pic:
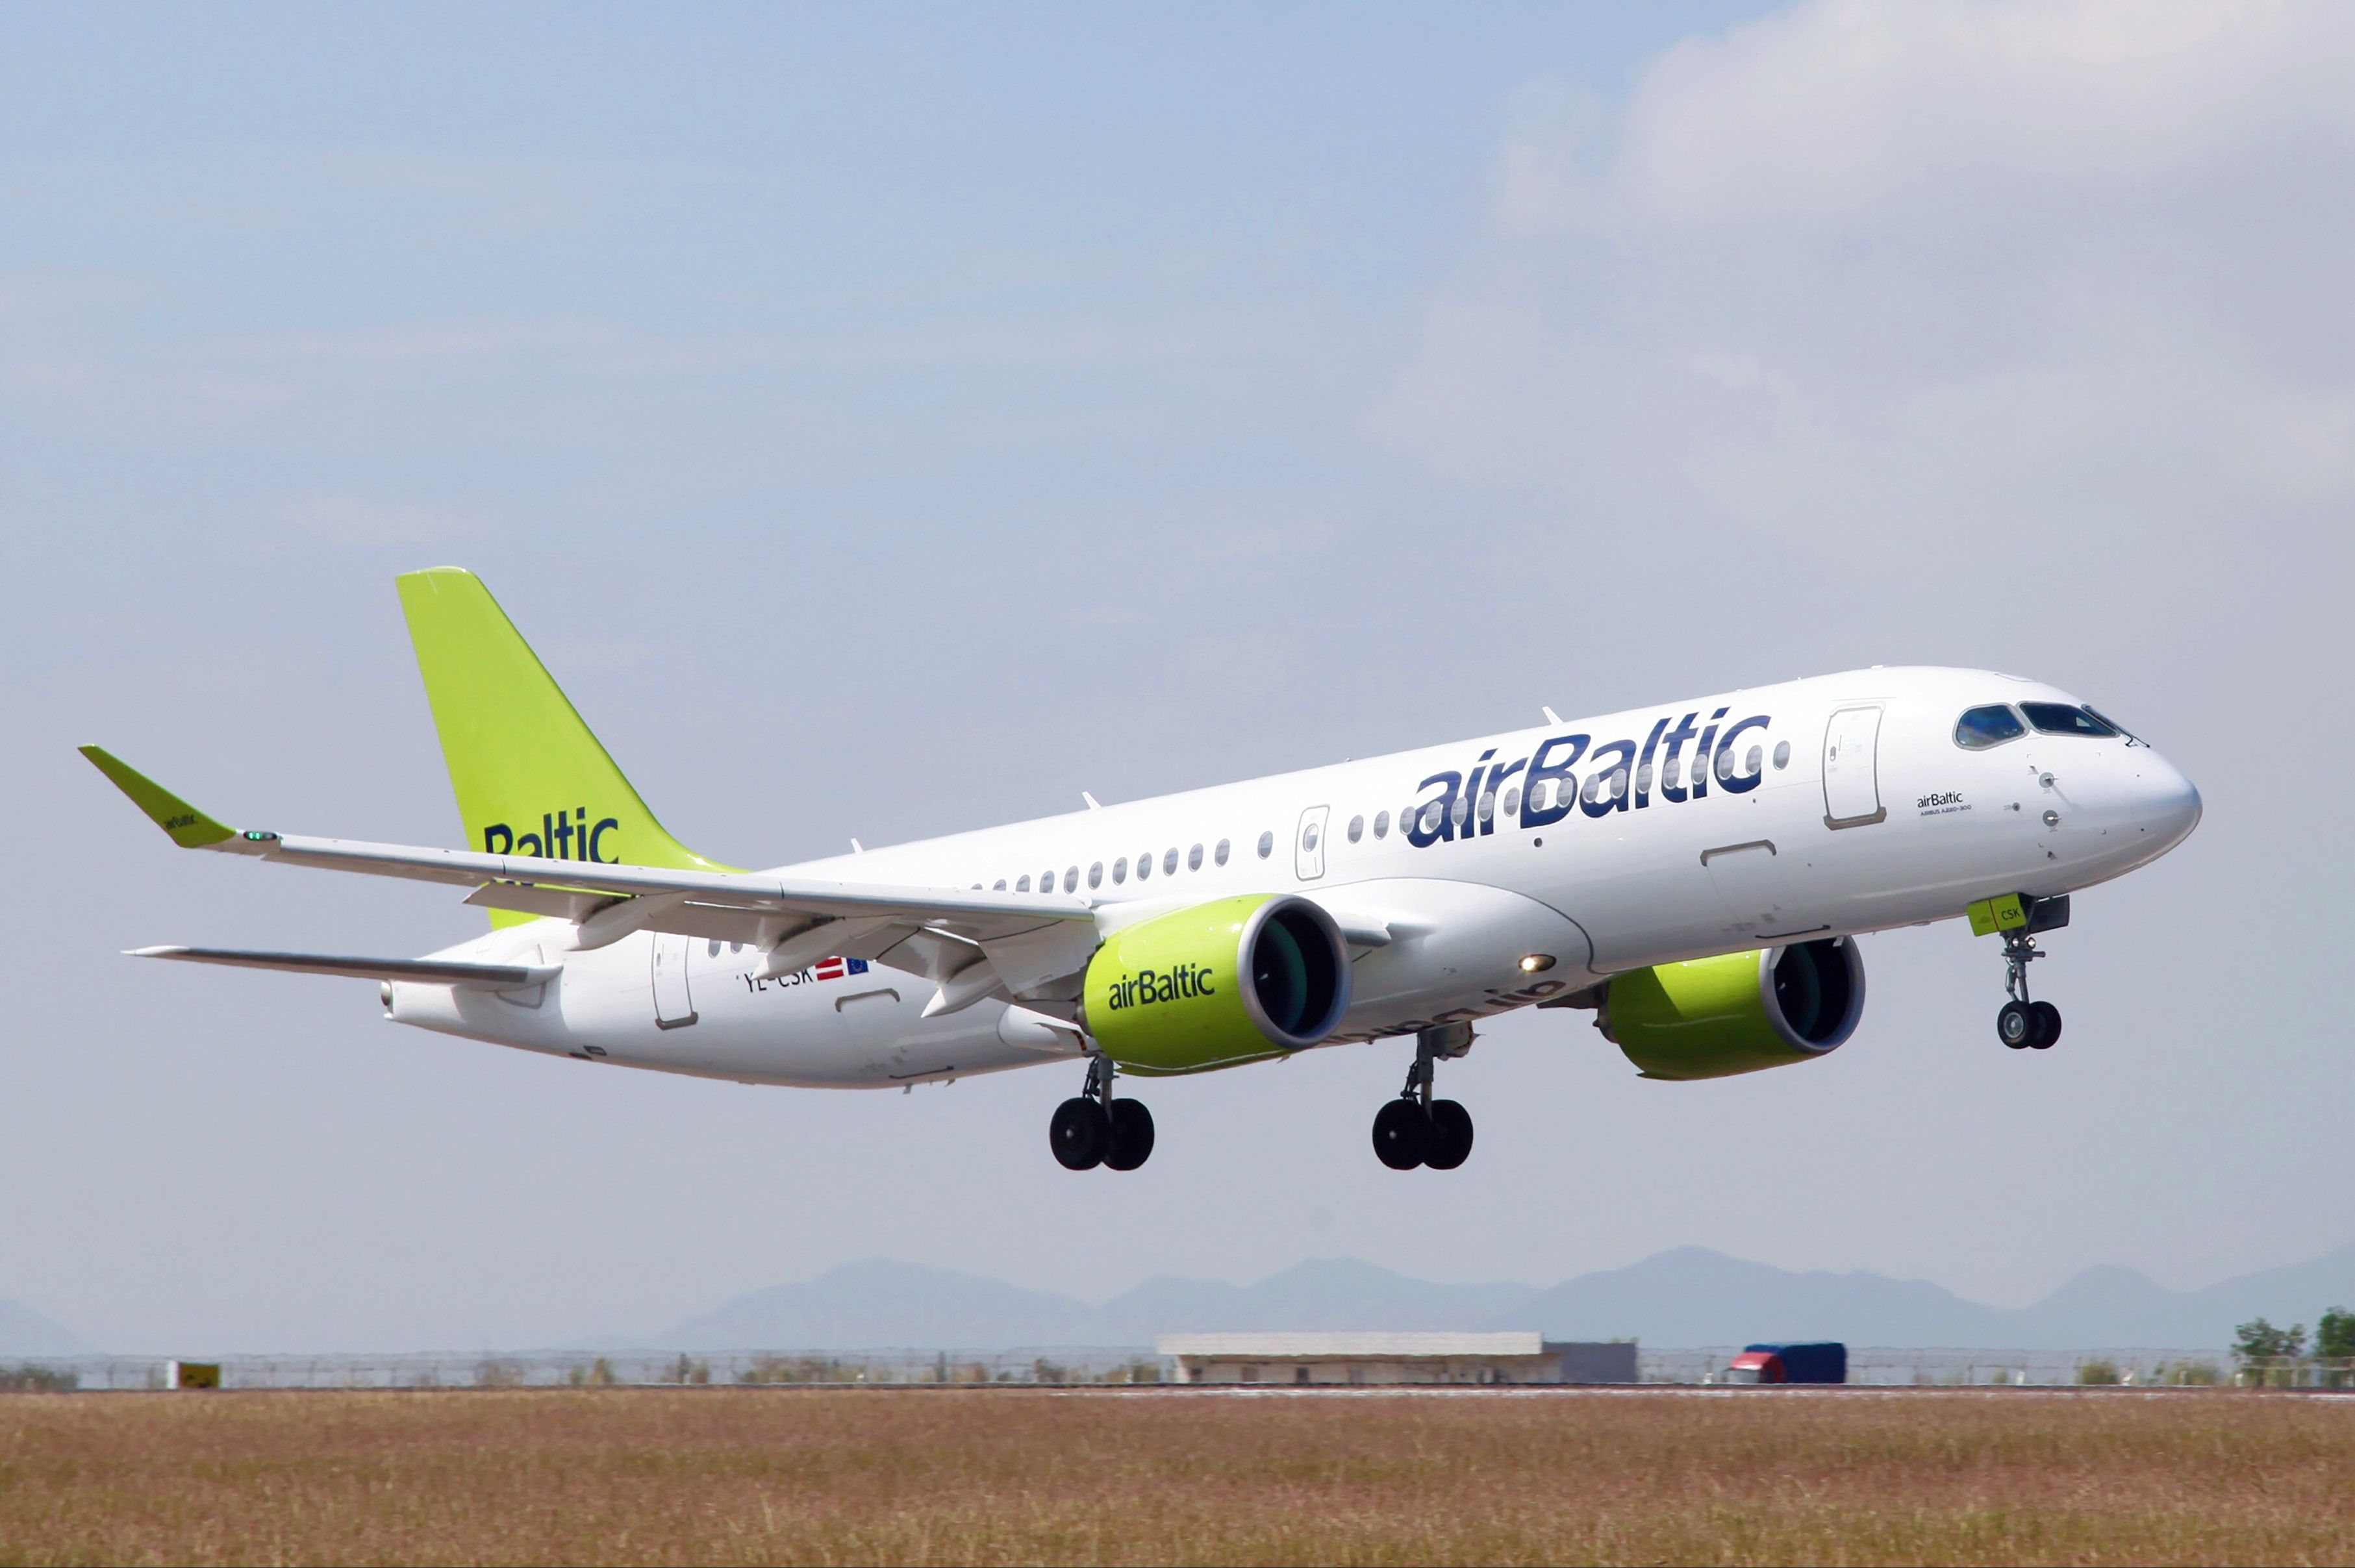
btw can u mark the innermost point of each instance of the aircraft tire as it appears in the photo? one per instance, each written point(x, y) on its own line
point(1450, 1136)
point(1402, 1134)
point(1080, 1133)
point(1131, 1142)
point(2015, 1026)
point(2048, 1025)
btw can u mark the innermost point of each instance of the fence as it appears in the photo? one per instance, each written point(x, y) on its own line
point(1051, 1367)
point(1075, 1367)
point(1963, 1368)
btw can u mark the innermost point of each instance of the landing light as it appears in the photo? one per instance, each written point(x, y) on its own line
point(1537, 963)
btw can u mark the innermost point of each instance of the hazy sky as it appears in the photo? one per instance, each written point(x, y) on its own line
point(893, 422)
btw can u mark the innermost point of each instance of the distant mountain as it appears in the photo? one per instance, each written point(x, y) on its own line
point(24, 1332)
point(1696, 1297)
point(881, 1304)
point(2297, 1294)
point(1687, 1297)
point(1328, 1294)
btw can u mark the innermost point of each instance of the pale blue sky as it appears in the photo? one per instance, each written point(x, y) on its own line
point(890, 422)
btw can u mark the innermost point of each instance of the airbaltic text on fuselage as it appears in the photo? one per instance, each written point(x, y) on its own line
point(558, 838)
point(1146, 987)
point(1620, 775)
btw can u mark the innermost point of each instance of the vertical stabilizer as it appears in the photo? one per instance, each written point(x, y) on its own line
point(529, 776)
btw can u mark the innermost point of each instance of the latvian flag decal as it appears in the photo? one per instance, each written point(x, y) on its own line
point(834, 969)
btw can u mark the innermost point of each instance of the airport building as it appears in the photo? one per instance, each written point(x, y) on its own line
point(1384, 1359)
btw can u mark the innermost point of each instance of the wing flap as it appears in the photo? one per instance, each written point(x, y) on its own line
point(979, 914)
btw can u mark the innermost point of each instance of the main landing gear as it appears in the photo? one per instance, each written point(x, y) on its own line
point(1416, 1129)
point(2022, 1024)
point(1092, 1128)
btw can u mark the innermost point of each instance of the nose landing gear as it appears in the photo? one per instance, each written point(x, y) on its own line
point(1416, 1129)
point(1092, 1128)
point(2020, 1023)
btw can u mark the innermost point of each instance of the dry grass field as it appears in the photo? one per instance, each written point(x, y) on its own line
point(799, 1475)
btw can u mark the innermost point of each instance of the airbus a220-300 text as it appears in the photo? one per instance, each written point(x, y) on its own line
point(1693, 875)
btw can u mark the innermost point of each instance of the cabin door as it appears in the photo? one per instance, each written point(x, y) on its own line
point(1851, 769)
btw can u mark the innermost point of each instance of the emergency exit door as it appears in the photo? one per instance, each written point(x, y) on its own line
point(674, 1003)
point(1309, 849)
point(1851, 769)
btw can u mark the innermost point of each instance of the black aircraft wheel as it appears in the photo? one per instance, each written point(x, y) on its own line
point(2015, 1026)
point(1402, 1134)
point(1450, 1136)
point(1131, 1142)
point(2048, 1025)
point(1080, 1133)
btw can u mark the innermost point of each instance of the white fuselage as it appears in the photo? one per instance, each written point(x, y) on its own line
point(1829, 806)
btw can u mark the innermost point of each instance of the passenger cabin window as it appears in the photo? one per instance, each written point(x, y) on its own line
point(1071, 879)
point(1120, 870)
point(1000, 885)
point(1169, 862)
point(1095, 874)
point(1381, 824)
point(1266, 845)
point(1357, 829)
point(1023, 885)
point(1194, 858)
point(1991, 725)
point(2060, 718)
point(1145, 866)
point(1222, 851)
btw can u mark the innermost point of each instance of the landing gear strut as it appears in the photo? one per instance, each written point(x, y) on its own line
point(1092, 1128)
point(1416, 1129)
point(2022, 1024)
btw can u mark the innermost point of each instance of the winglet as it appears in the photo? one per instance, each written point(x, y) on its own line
point(189, 828)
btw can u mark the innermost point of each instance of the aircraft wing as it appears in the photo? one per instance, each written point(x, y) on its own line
point(436, 971)
point(1029, 938)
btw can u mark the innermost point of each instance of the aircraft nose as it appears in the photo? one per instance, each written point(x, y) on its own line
point(2170, 803)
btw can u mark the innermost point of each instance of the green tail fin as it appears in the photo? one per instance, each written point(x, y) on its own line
point(529, 778)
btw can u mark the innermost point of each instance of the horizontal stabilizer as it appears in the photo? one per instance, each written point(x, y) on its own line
point(429, 972)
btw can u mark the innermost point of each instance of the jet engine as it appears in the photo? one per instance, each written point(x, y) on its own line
point(1739, 1012)
point(1239, 980)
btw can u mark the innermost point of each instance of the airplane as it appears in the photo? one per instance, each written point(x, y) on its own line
point(1695, 874)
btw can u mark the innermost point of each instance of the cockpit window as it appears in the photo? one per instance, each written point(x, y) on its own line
point(2131, 737)
point(1991, 725)
point(2060, 718)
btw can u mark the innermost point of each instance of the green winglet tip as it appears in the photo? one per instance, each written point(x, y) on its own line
point(189, 828)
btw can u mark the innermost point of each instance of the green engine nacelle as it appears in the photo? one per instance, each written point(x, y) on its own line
point(1237, 980)
point(1712, 1018)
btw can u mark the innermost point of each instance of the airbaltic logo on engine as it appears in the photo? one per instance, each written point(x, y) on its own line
point(558, 838)
point(1148, 985)
point(1620, 776)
